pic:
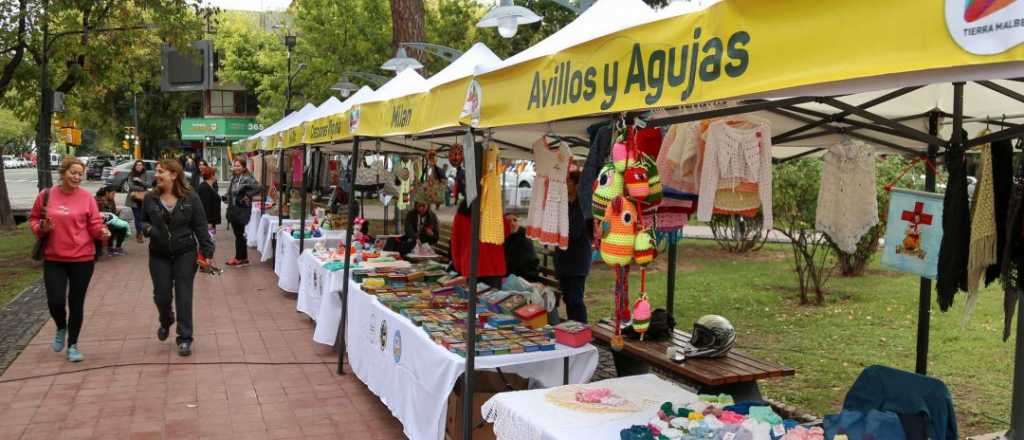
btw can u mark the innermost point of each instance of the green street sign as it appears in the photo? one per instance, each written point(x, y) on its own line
point(218, 129)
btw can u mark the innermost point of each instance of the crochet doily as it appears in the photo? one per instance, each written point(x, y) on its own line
point(566, 397)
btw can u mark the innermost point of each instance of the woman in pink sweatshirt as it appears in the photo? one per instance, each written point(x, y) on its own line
point(70, 220)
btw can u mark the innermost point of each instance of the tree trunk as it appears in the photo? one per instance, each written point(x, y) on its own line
point(6, 216)
point(407, 23)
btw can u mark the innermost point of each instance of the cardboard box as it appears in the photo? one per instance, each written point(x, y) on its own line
point(485, 385)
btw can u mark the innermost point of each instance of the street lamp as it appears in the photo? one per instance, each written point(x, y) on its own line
point(448, 53)
point(346, 87)
point(401, 61)
point(507, 17)
point(289, 42)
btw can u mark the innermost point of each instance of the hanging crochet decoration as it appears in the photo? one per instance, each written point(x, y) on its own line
point(642, 313)
point(607, 187)
point(913, 233)
point(455, 155)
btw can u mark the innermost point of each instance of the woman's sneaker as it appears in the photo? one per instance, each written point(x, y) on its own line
point(58, 341)
point(74, 355)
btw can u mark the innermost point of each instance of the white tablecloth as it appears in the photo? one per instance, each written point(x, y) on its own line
point(528, 415)
point(413, 375)
point(265, 235)
point(286, 265)
point(319, 297)
point(252, 228)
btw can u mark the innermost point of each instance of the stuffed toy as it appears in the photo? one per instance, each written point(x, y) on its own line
point(618, 237)
point(642, 315)
point(607, 186)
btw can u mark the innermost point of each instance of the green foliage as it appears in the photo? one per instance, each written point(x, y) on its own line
point(795, 191)
point(15, 134)
point(17, 270)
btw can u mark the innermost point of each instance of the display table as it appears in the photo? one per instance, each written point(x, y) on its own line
point(318, 297)
point(252, 228)
point(530, 415)
point(413, 375)
point(286, 265)
point(264, 235)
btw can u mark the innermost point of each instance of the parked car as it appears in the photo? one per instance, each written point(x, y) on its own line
point(9, 162)
point(55, 160)
point(117, 175)
point(20, 162)
point(94, 170)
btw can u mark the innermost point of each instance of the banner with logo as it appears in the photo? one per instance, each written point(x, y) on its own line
point(328, 129)
point(740, 48)
point(294, 137)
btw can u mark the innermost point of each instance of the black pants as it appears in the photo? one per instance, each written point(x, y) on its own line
point(572, 291)
point(117, 237)
point(172, 281)
point(241, 248)
point(66, 283)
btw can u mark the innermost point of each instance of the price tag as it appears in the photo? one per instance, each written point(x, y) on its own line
point(778, 430)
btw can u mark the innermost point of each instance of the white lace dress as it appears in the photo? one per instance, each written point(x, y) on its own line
point(847, 199)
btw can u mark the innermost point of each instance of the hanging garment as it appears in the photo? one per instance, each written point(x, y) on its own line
point(492, 228)
point(1012, 264)
point(554, 216)
point(543, 160)
point(490, 257)
point(680, 159)
point(600, 147)
point(647, 140)
point(847, 199)
point(956, 227)
point(913, 232)
point(1002, 182)
point(982, 248)
point(736, 152)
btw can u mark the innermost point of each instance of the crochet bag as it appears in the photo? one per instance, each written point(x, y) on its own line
point(607, 187)
point(618, 232)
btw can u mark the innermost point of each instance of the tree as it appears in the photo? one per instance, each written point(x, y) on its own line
point(14, 22)
point(795, 191)
point(15, 136)
point(406, 22)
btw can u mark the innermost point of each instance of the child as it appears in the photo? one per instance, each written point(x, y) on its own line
point(118, 227)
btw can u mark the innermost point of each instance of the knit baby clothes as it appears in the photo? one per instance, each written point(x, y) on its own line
point(548, 219)
point(847, 199)
point(736, 152)
point(492, 226)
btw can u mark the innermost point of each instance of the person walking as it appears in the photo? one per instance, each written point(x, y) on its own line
point(136, 192)
point(175, 222)
point(207, 191)
point(572, 265)
point(241, 191)
point(67, 217)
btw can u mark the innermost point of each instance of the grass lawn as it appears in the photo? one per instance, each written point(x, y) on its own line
point(867, 320)
point(17, 270)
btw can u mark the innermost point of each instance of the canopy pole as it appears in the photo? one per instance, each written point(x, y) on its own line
point(924, 302)
point(670, 291)
point(1017, 410)
point(263, 183)
point(474, 253)
point(280, 202)
point(302, 203)
point(340, 337)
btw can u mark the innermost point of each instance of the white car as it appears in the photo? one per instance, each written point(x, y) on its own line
point(9, 162)
point(21, 163)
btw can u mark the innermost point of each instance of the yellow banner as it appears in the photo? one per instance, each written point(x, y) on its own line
point(328, 129)
point(744, 47)
point(423, 112)
point(293, 137)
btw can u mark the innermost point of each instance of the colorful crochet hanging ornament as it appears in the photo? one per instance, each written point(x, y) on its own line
point(620, 156)
point(621, 305)
point(618, 233)
point(607, 187)
point(455, 155)
point(642, 312)
point(644, 248)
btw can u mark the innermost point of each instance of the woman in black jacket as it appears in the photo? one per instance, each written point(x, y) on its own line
point(175, 222)
point(520, 256)
point(242, 190)
point(207, 191)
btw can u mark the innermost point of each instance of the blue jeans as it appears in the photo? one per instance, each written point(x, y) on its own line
point(137, 214)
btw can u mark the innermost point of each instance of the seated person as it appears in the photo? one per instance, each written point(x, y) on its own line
point(420, 225)
point(118, 229)
point(520, 256)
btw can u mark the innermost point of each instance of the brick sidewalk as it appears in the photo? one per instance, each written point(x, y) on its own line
point(240, 317)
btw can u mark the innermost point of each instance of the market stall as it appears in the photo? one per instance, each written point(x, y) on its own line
point(288, 249)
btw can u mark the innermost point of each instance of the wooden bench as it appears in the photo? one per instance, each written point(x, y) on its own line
point(736, 373)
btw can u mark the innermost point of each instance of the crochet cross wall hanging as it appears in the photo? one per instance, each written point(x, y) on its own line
point(913, 232)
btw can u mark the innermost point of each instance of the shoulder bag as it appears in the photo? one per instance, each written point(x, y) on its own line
point(40, 245)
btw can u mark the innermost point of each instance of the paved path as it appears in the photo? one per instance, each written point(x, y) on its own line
point(133, 386)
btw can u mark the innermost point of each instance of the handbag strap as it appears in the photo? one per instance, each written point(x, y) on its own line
point(46, 200)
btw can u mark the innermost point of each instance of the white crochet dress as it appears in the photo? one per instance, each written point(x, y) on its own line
point(547, 221)
point(847, 198)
